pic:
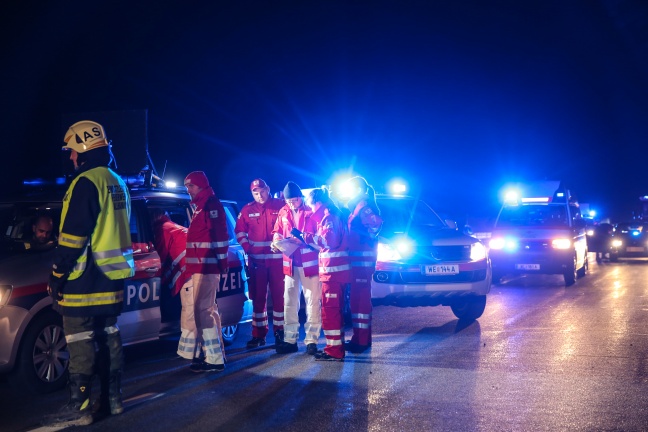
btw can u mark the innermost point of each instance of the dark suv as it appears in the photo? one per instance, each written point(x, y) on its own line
point(540, 232)
point(33, 349)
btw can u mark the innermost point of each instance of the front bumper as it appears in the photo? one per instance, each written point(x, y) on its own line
point(12, 324)
point(402, 285)
point(556, 262)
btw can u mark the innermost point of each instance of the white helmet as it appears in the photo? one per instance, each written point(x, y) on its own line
point(84, 136)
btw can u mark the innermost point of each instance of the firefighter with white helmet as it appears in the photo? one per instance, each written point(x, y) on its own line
point(93, 257)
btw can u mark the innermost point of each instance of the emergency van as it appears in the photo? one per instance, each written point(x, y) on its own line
point(33, 349)
point(539, 230)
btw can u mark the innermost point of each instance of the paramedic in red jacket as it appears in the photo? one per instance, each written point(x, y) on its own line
point(170, 240)
point(301, 272)
point(364, 225)
point(254, 233)
point(206, 258)
point(334, 269)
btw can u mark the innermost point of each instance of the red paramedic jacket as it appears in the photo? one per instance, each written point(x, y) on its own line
point(207, 238)
point(364, 226)
point(254, 230)
point(286, 221)
point(171, 243)
point(331, 241)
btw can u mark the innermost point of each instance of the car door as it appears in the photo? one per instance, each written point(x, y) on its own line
point(141, 317)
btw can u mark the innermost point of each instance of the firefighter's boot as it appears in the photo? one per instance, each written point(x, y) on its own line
point(78, 411)
point(115, 393)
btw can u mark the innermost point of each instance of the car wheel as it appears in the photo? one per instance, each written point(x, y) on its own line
point(43, 358)
point(469, 309)
point(570, 273)
point(583, 270)
point(229, 334)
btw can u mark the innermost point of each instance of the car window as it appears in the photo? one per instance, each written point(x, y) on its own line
point(232, 212)
point(17, 219)
point(179, 211)
point(533, 215)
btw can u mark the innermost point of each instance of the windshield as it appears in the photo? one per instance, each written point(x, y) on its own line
point(553, 216)
point(400, 214)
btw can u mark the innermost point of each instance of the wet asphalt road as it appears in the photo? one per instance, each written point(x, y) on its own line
point(542, 358)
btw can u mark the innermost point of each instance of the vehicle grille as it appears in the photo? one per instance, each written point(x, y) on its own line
point(429, 254)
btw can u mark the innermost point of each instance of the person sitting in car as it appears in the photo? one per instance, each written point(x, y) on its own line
point(42, 234)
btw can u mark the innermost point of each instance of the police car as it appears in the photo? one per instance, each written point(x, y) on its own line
point(33, 349)
point(424, 261)
point(539, 230)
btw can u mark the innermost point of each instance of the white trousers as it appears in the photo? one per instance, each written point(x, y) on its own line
point(187, 343)
point(208, 323)
point(293, 286)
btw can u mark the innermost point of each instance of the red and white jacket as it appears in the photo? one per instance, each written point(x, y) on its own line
point(330, 239)
point(170, 244)
point(300, 219)
point(364, 226)
point(254, 230)
point(207, 238)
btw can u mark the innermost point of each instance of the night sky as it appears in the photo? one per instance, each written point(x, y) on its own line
point(456, 97)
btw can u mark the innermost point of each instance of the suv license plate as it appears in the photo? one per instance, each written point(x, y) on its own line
point(527, 266)
point(448, 269)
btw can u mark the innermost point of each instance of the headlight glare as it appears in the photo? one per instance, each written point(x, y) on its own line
point(477, 251)
point(561, 243)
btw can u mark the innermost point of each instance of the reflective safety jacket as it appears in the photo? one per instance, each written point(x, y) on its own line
point(171, 243)
point(254, 230)
point(95, 232)
point(330, 238)
point(364, 226)
point(207, 238)
point(300, 219)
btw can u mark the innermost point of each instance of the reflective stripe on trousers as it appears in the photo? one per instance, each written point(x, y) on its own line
point(313, 297)
point(207, 318)
point(187, 342)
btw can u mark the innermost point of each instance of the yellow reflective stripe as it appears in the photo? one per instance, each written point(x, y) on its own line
point(72, 241)
point(112, 253)
point(94, 299)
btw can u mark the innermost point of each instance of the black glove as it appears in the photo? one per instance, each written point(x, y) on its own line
point(55, 287)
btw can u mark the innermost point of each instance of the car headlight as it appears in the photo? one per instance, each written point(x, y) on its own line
point(617, 243)
point(561, 243)
point(590, 232)
point(477, 251)
point(5, 294)
point(396, 250)
point(387, 253)
point(498, 243)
